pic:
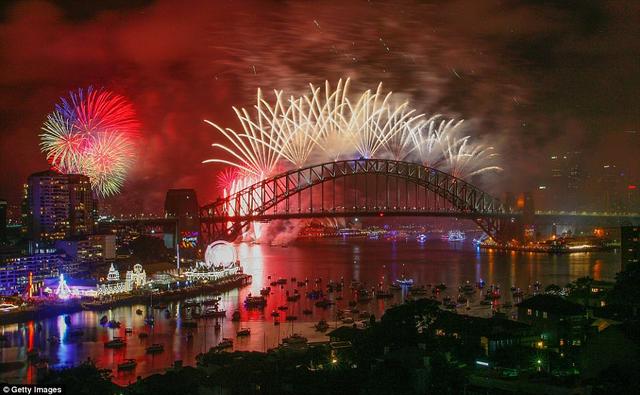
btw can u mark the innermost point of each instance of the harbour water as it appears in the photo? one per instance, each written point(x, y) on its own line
point(367, 261)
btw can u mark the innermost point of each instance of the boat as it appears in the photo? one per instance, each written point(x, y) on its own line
point(322, 326)
point(225, 343)
point(255, 301)
point(243, 332)
point(283, 308)
point(211, 302)
point(307, 312)
point(117, 342)
point(275, 314)
point(67, 320)
point(104, 320)
point(281, 281)
point(383, 294)
point(324, 303)
point(467, 288)
point(364, 315)
point(454, 236)
point(155, 348)
point(421, 238)
point(276, 322)
point(347, 320)
point(236, 316)
point(462, 299)
point(138, 312)
point(293, 298)
point(291, 318)
point(149, 320)
point(441, 287)
point(128, 330)
point(295, 339)
point(265, 291)
point(301, 283)
point(143, 335)
point(128, 364)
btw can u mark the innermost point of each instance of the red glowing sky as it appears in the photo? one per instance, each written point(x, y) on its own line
point(555, 77)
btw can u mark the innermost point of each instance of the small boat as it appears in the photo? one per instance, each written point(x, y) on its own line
point(67, 320)
point(138, 312)
point(295, 339)
point(155, 348)
point(467, 288)
point(128, 330)
point(273, 283)
point(307, 312)
point(324, 303)
point(347, 320)
point(255, 301)
point(225, 343)
point(265, 291)
point(322, 326)
point(243, 332)
point(283, 308)
point(211, 302)
point(128, 364)
point(104, 320)
point(383, 295)
point(276, 322)
point(301, 283)
point(281, 281)
point(293, 298)
point(143, 335)
point(149, 320)
point(117, 342)
point(275, 314)
point(291, 318)
point(236, 316)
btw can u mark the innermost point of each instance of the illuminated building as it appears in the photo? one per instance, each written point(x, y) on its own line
point(58, 206)
point(220, 260)
point(182, 204)
point(630, 246)
point(15, 269)
point(134, 279)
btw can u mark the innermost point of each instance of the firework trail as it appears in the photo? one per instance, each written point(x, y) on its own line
point(328, 125)
point(226, 178)
point(92, 132)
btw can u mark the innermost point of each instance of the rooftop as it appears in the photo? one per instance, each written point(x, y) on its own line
point(552, 304)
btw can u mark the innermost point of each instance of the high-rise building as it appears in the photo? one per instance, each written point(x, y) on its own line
point(57, 206)
point(630, 246)
point(3, 220)
point(183, 205)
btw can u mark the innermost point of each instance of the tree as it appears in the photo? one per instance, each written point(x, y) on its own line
point(86, 378)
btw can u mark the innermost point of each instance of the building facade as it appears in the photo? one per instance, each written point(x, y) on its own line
point(57, 206)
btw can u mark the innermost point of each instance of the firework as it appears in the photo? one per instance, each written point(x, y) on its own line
point(326, 124)
point(92, 132)
point(226, 178)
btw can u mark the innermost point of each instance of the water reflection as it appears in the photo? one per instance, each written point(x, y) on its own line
point(368, 261)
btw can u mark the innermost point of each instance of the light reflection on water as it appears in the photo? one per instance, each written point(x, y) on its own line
point(368, 261)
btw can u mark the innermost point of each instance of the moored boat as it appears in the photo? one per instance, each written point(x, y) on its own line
point(128, 364)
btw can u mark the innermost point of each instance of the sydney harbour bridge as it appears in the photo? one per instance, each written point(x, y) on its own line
point(368, 188)
point(362, 188)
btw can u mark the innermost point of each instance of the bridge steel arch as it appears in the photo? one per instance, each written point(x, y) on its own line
point(276, 197)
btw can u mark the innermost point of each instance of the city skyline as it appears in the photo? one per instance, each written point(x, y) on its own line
point(538, 96)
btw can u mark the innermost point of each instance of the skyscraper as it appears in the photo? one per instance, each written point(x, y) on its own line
point(183, 205)
point(58, 206)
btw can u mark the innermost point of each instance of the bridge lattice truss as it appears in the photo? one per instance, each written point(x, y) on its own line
point(362, 187)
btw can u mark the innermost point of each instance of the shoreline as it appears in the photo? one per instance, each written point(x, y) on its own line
point(52, 310)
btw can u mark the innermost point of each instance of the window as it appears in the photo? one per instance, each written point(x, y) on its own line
point(529, 312)
point(544, 314)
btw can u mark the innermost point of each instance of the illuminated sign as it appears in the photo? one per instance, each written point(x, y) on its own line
point(188, 240)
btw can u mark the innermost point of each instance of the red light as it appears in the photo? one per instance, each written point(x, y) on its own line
point(631, 187)
point(381, 215)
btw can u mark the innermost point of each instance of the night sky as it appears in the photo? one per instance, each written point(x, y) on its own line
point(533, 78)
